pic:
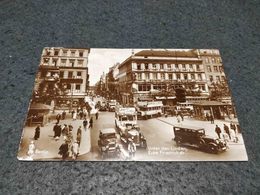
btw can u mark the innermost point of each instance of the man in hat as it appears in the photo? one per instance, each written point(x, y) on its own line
point(218, 131)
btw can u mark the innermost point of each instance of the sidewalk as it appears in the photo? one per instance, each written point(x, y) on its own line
point(209, 128)
point(46, 146)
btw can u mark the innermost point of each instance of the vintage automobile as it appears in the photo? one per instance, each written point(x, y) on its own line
point(132, 132)
point(108, 144)
point(111, 105)
point(196, 137)
point(103, 106)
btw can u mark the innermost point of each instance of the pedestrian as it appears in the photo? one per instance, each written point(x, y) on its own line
point(64, 150)
point(178, 118)
point(75, 150)
point(218, 131)
point(85, 113)
point(65, 130)
point(81, 114)
point(96, 115)
point(225, 137)
point(58, 117)
point(59, 129)
point(131, 148)
point(207, 117)
point(63, 115)
point(72, 113)
point(85, 124)
point(74, 117)
point(233, 126)
point(235, 131)
point(182, 117)
point(211, 119)
point(233, 135)
point(78, 109)
point(79, 133)
point(37, 132)
point(91, 122)
point(227, 131)
point(31, 149)
point(70, 127)
point(55, 130)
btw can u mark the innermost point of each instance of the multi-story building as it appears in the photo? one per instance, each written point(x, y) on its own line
point(213, 65)
point(64, 69)
point(112, 82)
point(152, 73)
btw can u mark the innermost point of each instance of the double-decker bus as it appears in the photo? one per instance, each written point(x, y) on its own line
point(147, 110)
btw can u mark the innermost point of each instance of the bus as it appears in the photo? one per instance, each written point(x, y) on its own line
point(125, 117)
point(147, 109)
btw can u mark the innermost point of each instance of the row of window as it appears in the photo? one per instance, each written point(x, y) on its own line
point(160, 87)
point(155, 108)
point(71, 87)
point(61, 74)
point(62, 62)
point(215, 69)
point(168, 76)
point(185, 67)
point(71, 74)
point(218, 78)
point(64, 52)
point(213, 60)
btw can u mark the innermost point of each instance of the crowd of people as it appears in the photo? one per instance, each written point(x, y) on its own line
point(70, 146)
point(228, 133)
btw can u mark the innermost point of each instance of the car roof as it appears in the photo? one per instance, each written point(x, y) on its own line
point(188, 127)
point(108, 130)
point(133, 132)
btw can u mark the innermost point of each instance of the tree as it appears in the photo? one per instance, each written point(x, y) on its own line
point(219, 90)
point(180, 94)
point(50, 88)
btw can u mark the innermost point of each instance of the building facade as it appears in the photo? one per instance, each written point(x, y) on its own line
point(64, 72)
point(213, 65)
point(154, 74)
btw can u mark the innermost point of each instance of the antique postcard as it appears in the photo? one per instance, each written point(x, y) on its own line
point(131, 105)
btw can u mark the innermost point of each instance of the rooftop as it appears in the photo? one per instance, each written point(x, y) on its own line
point(188, 127)
point(167, 53)
point(108, 130)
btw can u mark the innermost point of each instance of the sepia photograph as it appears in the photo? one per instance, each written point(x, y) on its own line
point(91, 104)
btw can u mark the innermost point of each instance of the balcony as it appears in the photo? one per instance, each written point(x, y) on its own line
point(71, 80)
point(49, 67)
point(51, 79)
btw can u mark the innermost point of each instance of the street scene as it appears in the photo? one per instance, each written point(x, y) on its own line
point(131, 105)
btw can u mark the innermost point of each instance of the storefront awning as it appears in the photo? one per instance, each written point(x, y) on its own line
point(145, 99)
point(164, 98)
point(209, 103)
point(39, 106)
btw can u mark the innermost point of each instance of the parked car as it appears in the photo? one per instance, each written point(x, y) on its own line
point(107, 143)
point(196, 137)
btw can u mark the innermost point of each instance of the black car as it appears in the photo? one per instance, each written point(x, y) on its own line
point(196, 137)
point(107, 143)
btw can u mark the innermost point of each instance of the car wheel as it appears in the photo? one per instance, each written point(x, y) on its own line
point(213, 149)
point(201, 143)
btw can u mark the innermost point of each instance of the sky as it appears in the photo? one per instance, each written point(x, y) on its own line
point(100, 60)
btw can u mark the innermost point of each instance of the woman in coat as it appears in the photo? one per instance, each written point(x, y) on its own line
point(37, 132)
